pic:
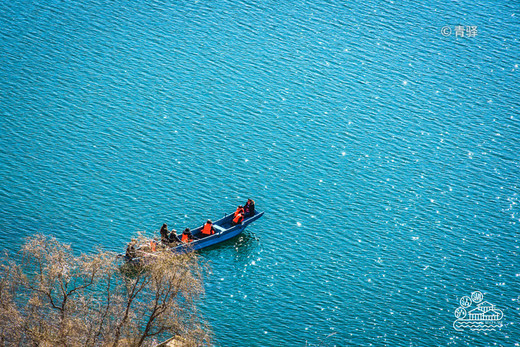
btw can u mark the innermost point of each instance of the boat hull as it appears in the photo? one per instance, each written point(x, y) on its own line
point(223, 232)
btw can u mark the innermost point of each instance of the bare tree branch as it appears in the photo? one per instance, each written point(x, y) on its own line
point(51, 297)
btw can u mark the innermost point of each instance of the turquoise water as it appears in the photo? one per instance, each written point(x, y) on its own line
point(385, 154)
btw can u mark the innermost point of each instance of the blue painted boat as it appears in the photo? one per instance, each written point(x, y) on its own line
point(223, 231)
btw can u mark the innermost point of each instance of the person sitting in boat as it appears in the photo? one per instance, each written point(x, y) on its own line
point(153, 245)
point(239, 218)
point(240, 210)
point(164, 233)
point(249, 208)
point(187, 236)
point(130, 250)
point(173, 238)
point(207, 229)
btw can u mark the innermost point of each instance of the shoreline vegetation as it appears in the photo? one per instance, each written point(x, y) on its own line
point(51, 297)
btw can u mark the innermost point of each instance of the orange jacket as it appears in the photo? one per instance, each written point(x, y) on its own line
point(208, 229)
point(240, 210)
point(186, 238)
point(238, 218)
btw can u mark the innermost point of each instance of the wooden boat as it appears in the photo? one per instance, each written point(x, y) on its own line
point(223, 231)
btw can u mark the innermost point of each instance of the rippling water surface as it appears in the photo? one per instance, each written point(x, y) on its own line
point(385, 154)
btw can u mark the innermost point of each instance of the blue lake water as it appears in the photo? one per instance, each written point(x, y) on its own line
point(384, 152)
